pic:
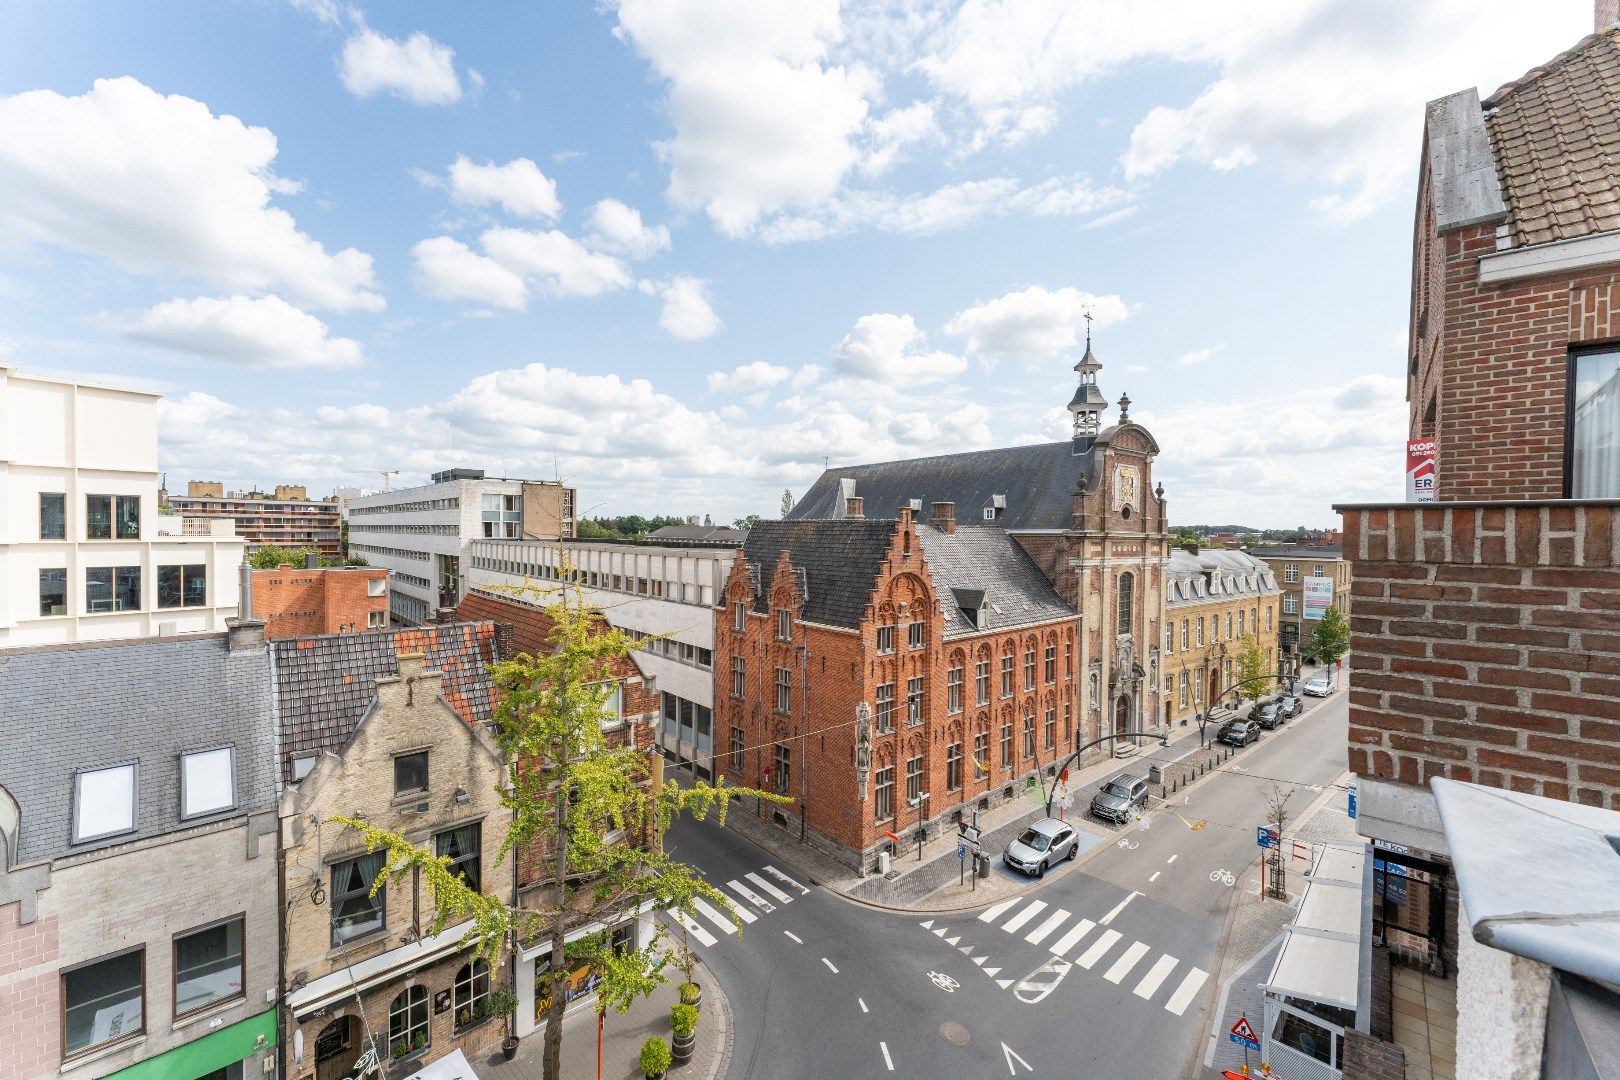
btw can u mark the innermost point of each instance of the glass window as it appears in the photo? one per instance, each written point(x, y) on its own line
point(208, 966)
point(913, 780)
point(355, 912)
point(1199, 636)
point(104, 802)
point(916, 635)
point(1029, 735)
point(1007, 675)
point(182, 586)
point(128, 520)
point(1127, 600)
point(98, 515)
point(472, 992)
point(737, 750)
point(1595, 420)
point(376, 619)
point(885, 639)
point(112, 588)
point(784, 690)
point(408, 1022)
point(981, 755)
point(1051, 664)
point(102, 1002)
point(784, 768)
point(1006, 745)
point(883, 802)
point(53, 591)
point(739, 676)
point(461, 847)
point(410, 773)
point(885, 707)
point(1029, 669)
point(784, 625)
point(1051, 729)
point(953, 767)
point(981, 681)
point(737, 617)
point(953, 690)
point(914, 700)
point(207, 781)
point(52, 515)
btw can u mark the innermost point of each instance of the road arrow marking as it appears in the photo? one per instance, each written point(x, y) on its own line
point(1012, 1056)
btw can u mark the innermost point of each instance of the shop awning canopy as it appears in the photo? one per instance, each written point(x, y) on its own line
point(351, 980)
point(453, 1066)
point(1320, 957)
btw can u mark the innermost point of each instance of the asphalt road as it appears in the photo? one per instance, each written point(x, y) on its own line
point(1108, 970)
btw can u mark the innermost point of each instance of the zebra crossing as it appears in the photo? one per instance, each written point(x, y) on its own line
point(753, 896)
point(1036, 923)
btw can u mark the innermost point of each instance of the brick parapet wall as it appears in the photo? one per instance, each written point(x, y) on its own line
point(1486, 646)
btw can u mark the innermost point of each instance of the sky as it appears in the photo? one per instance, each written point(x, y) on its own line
point(682, 254)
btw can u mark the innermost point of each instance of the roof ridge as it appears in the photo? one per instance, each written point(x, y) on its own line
point(1535, 74)
point(939, 457)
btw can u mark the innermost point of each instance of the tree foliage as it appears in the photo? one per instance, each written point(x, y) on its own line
point(624, 527)
point(1253, 666)
point(270, 557)
point(1330, 638)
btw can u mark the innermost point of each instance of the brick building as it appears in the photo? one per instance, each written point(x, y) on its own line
point(303, 601)
point(1486, 630)
point(1310, 576)
point(1217, 602)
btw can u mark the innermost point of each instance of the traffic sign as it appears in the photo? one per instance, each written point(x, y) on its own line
point(961, 851)
point(1265, 836)
point(1352, 802)
point(1243, 1034)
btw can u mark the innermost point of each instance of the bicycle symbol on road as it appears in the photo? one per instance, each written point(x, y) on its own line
point(1127, 845)
point(944, 981)
point(1223, 876)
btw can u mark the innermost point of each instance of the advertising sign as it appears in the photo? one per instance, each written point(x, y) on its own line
point(1318, 596)
point(1420, 470)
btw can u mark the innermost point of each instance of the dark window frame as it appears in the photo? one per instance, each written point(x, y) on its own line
point(60, 532)
point(174, 965)
point(412, 793)
point(62, 1006)
point(61, 573)
point(475, 880)
point(380, 898)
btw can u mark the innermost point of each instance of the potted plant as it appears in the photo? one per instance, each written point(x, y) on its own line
point(683, 1023)
point(692, 993)
point(686, 960)
point(503, 1001)
point(655, 1058)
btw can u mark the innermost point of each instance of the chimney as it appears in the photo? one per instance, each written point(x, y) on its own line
point(943, 517)
point(854, 507)
point(244, 635)
point(312, 561)
point(1605, 14)
point(244, 602)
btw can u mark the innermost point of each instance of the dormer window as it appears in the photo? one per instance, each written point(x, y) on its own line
point(103, 803)
point(989, 513)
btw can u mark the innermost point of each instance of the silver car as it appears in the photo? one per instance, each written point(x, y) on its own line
point(1043, 844)
point(1319, 684)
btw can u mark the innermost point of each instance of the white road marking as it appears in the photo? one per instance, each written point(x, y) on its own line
point(862, 1003)
point(1155, 876)
point(1126, 961)
point(992, 972)
point(1013, 924)
point(1072, 938)
point(1012, 1056)
point(1043, 931)
point(992, 914)
point(1098, 948)
point(1004, 983)
point(1186, 991)
point(768, 887)
point(1119, 907)
point(887, 1060)
point(692, 926)
point(726, 925)
point(794, 936)
point(778, 875)
point(751, 896)
point(979, 960)
point(829, 964)
point(1171, 859)
point(1156, 975)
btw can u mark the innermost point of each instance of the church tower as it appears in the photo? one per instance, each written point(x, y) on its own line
point(1088, 404)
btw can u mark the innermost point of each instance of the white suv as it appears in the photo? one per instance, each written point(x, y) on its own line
point(1319, 684)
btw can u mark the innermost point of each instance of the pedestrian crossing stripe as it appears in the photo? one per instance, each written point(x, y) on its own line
point(994, 913)
point(1126, 961)
point(750, 895)
point(692, 926)
point(784, 879)
point(768, 887)
point(1186, 991)
point(1098, 948)
point(1013, 924)
point(703, 908)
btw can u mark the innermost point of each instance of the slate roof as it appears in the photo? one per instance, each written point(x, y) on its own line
point(1037, 482)
point(986, 558)
point(1297, 551)
point(324, 684)
point(69, 708)
point(1234, 574)
point(840, 560)
point(723, 534)
point(1555, 134)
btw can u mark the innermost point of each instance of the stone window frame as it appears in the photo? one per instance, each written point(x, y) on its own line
point(953, 766)
point(953, 689)
point(784, 691)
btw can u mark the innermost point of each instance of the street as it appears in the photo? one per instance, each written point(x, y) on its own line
point(1106, 970)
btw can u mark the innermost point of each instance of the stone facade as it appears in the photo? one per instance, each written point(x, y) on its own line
point(1208, 621)
point(301, 601)
point(1291, 566)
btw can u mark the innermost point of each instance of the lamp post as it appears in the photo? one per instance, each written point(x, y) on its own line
point(1164, 740)
point(920, 802)
point(1203, 717)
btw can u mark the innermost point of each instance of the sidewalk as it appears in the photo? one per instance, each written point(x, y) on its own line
point(622, 1037)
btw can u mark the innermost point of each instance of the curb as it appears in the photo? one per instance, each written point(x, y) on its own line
point(723, 1061)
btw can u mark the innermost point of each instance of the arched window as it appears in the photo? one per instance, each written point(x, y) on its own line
point(472, 992)
point(408, 1022)
point(1127, 590)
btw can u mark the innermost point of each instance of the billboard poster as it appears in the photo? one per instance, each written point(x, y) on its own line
point(1318, 596)
point(1420, 470)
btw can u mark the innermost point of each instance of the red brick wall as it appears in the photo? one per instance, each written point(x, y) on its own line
point(1486, 647)
point(29, 1009)
point(295, 602)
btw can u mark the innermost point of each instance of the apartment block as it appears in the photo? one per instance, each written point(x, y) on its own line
point(284, 518)
point(1313, 578)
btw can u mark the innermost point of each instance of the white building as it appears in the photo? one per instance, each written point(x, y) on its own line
point(668, 591)
point(422, 534)
point(84, 554)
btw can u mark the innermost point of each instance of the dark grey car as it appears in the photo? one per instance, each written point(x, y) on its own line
point(1239, 732)
point(1292, 706)
point(1268, 714)
point(1119, 798)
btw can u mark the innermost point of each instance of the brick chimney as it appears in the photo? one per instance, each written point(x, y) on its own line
point(942, 515)
point(854, 507)
point(1605, 14)
point(244, 635)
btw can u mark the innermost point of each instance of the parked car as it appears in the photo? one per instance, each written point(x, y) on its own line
point(1268, 714)
point(1119, 797)
point(1044, 843)
point(1318, 684)
point(1238, 732)
point(1291, 706)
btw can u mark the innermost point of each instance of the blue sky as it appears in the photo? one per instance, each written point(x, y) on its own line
point(680, 253)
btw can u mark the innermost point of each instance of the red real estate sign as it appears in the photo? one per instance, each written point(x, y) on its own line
point(1420, 470)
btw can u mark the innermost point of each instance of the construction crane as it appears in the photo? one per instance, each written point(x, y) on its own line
point(388, 477)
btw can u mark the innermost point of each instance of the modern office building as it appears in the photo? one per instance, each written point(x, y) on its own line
point(423, 534)
point(85, 554)
point(285, 518)
point(1313, 578)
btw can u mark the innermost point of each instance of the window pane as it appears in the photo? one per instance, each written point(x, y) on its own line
point(129, 517)
point(354, 910)
point(168, 586)
point(127, 588)
point(98, 589)
point(208, 967)
point(103, 1001)
point(208, 781)
point(53, 592)
point(410, 773)
point(196, 585)
point(460, 846)
point(1595, 465)
point(105, 802)
point(52, 516)
point(98, 517)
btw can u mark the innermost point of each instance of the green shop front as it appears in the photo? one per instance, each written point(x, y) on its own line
point(236, 1052)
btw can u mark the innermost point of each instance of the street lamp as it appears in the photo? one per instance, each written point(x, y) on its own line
point(919, 802)
point(1164, 740)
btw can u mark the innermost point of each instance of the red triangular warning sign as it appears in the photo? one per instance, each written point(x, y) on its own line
point(1244, 1030)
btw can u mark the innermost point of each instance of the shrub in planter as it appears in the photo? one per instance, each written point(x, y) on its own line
point(692, 994)
point(683, 1019)
point(655, 1057)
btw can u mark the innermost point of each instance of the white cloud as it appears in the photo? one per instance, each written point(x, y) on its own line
point(613, 226)
point(324, 10)
point(263, 332)
point(687, 314)
point(1198, 356)
point(447, 269)
point(364, 415)
point(192, 411)
point(518, 187)
point(158, 184)
point(897, 131)
point(1112, 217)
point(1032, 324)
point(418, 69)
point(748, 378)
point(890, 349)
point(555, 262)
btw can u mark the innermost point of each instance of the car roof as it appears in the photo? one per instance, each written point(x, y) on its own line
point(1126, 778)
point(1047, 825)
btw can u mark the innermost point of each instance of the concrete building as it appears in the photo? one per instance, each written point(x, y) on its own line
point(284, 518)
point(1216, 602)
point(138, 883)
point(84, 553)
point(308, 600)
point(661, 593)
point(1313, 578)
point(423, 534)
point(1486, 644)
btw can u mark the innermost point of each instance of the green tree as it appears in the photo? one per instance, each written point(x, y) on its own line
point(269, 557)
point(1249, 539)
point(568, 788)
point(1330, 638)
point(746, 522)
point(1252, 666)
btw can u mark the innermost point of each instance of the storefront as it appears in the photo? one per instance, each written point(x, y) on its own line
point(229, 1053)
point(533, 969)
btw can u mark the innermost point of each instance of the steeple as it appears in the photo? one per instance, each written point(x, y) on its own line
point(1088, 403)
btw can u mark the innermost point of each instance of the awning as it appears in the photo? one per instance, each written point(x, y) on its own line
point(453, 1066)
point(1321, 954)
point(375, 970)
point(219, 1048)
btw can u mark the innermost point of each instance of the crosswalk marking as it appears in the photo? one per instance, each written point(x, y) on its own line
point(768, 887)
point(1156, 975)
point(692, 926)
point(1119, 907)
point(778, 875)
point(751, 896)
point(1043, 931)
point(992, 914)
point(1072, 938)
point(726, 925)
point(1126, 961)
point(1098, 948)
point(1035, 908)
point(1186, 991)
